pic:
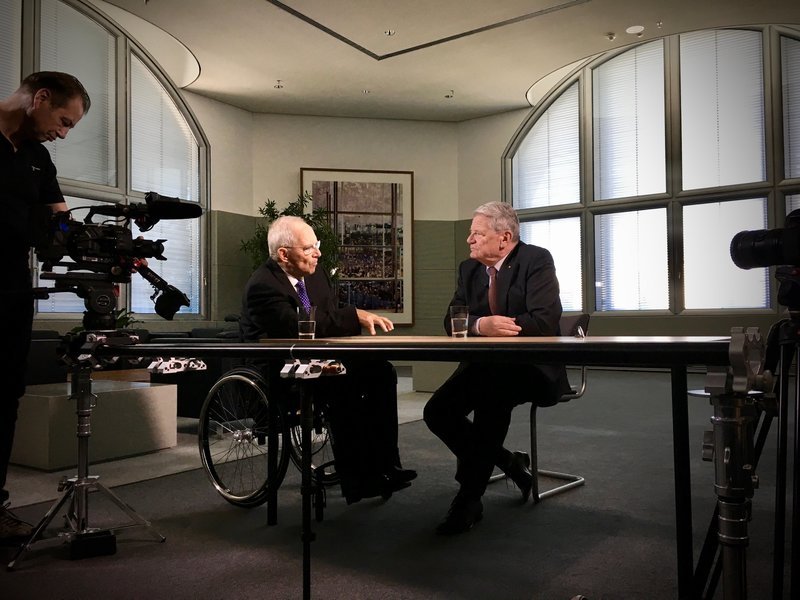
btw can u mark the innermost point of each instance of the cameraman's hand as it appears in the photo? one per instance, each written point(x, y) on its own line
point(142, 261)
point(139, 262)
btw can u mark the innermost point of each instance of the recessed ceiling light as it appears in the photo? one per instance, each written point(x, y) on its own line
point(635, 30)
point(611, 36)
point(389, 32)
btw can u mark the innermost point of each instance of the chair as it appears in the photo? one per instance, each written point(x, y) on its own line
point(571, 326)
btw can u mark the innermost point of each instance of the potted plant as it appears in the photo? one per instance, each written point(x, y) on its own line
point(256, 246)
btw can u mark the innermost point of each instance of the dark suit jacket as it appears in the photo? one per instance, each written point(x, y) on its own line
point(527, 289)
point(363, 418)
point(270, 302)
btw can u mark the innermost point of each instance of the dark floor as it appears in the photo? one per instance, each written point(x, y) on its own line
point(611, 539)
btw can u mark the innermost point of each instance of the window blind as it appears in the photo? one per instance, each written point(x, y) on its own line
point(546, 168)
point(711, 279)
point(164, 153)
point(165, 159)
point(790, 71)
point(10, 46)
point(73, 43)
point(562, 237)
point(628, 124)
point(631, 260)
point(722, 108)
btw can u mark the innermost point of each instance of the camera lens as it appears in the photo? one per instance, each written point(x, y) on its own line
point(766, 247)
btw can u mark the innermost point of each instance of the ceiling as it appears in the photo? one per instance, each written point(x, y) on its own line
point(335, 58)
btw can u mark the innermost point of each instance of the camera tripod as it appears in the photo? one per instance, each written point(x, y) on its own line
point(85, 541)
point(745, 403)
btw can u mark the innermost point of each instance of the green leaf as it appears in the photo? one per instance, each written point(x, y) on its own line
point(319, 219)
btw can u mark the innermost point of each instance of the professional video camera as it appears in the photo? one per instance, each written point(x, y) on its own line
point(768, 247)
point(105, 255)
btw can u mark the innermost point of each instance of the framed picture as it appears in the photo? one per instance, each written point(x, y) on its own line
point(372, 213)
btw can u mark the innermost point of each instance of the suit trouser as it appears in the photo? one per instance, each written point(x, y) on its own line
point(18, 311)
point(361, 407)
point(491, 395)
point(362, 411)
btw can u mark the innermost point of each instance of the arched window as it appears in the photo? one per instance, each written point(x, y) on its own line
point(139, 136)
point(675, 158)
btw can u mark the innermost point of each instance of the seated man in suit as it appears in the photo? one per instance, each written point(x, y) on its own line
point(511, 289)
point(363, 403)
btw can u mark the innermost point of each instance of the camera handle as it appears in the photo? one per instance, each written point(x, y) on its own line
point(85, 541)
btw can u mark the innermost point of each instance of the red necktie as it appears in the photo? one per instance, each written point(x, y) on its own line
point(493, 290)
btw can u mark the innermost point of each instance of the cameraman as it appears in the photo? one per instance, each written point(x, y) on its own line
point(45, 107)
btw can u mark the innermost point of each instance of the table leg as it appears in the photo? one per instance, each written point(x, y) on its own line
point(307, 424)
point(683, 483)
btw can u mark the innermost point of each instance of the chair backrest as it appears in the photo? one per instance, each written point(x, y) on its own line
point(575, 326)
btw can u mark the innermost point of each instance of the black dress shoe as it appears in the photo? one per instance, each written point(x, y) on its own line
point(463, 514)
point(401, 475)
point(380, 486)
point(519, 471)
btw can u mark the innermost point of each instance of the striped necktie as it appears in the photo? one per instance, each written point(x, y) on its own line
point(301, 291)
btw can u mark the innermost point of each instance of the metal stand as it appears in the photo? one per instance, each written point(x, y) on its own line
point(310, 487)
point(731, 446)
point(85, 541)
point(789, 340)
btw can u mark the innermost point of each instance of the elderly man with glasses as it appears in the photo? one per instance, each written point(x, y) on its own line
point(362, 403)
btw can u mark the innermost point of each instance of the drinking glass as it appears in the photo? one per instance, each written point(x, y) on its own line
point(459, 319)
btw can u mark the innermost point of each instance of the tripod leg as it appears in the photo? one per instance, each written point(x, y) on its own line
point(795, 553)
point(39, 529)
point(136, 519)
point(733, 516)
point(786, 355)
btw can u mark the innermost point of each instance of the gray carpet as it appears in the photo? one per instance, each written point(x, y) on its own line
point(611, 539)
point(31, 486)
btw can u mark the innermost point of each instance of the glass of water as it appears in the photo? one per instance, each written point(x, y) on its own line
point(459, 320)
point(306, 325)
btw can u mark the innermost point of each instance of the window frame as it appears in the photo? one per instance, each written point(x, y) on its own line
point(122, 192)
point(775, 188)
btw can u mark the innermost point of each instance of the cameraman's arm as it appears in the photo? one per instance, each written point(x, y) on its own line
point(58, 207)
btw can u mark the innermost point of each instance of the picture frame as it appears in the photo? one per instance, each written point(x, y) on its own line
point(372, 213)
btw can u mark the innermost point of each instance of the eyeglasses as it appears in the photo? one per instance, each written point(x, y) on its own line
point(307, 250)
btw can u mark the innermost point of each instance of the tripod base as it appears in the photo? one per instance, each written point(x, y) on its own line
point(84, 542)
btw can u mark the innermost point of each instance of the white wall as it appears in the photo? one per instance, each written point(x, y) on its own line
point(481, 143)
point(283, 144)
point(230, 132)
point(255, 157)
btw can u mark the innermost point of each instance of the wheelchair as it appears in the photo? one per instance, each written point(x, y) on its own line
point(233, 434)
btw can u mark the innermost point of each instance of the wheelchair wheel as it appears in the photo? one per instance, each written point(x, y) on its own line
point(233, 438)
point(321, 448)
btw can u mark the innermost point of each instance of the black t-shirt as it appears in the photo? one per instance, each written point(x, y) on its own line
point(27, 183)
